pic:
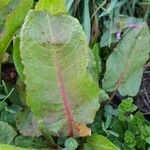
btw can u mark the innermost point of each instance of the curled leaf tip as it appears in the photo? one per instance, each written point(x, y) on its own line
point(82, 129)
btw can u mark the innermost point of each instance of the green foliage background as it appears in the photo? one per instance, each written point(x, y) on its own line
point(111, 58)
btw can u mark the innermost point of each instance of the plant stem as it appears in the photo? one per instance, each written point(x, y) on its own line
point(48, 137)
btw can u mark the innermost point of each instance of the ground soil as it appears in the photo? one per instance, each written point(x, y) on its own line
point(142, 100)
point(9, 74)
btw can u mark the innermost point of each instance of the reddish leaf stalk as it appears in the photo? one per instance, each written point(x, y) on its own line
point(67, 107)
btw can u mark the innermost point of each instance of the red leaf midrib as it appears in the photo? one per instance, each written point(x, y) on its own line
point(67, 107)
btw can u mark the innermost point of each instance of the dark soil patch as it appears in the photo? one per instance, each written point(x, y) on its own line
point(142, 100)
point(9, 74)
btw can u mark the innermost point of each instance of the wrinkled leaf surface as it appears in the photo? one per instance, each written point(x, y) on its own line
point(124, 67)
point(60, 91)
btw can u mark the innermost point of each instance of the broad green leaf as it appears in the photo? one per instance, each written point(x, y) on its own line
point(7, 133)
point(60, 91)
point(27, 124)
point(16, 58)
point(11, 18)
point(3, 3)
point(11, 147)
point(124, 67)
point(29, 142)
point(54, 7)
point(99, 142)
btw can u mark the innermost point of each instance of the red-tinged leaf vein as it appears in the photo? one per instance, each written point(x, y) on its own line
point(67, 107)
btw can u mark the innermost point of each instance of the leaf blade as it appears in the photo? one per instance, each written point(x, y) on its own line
point(54, 7)
point(10, 147)
point(64, 94)
point(99, 142)
point(125, 65)
point(13, 21)
point(7, 133)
